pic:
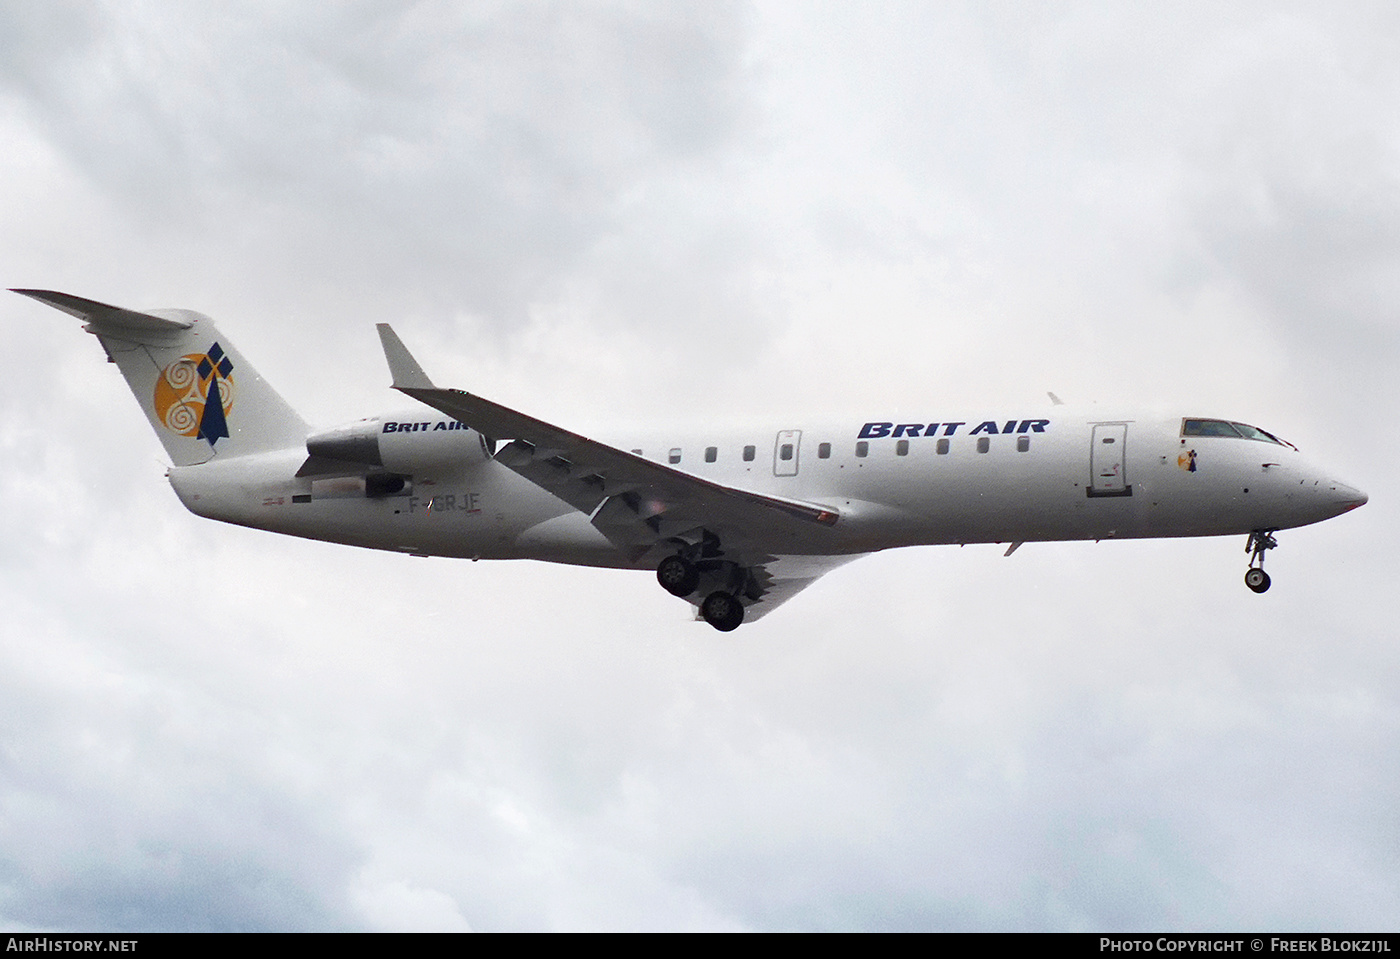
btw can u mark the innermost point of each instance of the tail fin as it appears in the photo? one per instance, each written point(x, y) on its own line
point(202, 398)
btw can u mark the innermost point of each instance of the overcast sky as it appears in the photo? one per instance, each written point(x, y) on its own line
point(605, 213)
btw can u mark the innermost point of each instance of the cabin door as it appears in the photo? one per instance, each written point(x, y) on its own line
point(1108, 463)
point(785, 452)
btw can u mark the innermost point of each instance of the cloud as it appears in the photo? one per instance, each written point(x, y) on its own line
point(379, 146)
point(618, 212)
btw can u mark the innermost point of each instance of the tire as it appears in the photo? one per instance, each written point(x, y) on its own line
point(1257, 580)
point(677, 576)
point(723, 611)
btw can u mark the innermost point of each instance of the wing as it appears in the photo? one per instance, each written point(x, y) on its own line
point(783, 578)
point(644, 507)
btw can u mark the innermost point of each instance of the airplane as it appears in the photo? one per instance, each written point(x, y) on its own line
point(735, 523)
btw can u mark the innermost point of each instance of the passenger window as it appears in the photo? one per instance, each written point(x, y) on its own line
point(711, 454)
point(636, 452)
point(785, 452)
point(862, 449)
point(748, 454)
point(901, 448)
point(983, 444)
point(1023, 443)
point(942, 447)
point(675, 456)
point(823, 451)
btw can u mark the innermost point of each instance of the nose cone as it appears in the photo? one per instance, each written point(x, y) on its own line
point(1316, 497)
point(1339, 497)
point(1346, 497)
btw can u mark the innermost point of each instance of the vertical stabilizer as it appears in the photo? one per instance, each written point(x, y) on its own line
point(202, 397)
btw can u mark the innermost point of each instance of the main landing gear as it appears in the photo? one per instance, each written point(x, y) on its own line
point(678, 576)
point(1260, 541)
point(722, 608)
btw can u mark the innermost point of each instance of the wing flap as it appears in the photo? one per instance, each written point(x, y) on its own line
point(549, 455)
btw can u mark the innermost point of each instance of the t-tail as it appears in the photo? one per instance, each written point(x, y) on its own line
point(202, 397)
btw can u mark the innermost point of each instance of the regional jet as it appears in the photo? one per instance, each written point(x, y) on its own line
point(735, 522)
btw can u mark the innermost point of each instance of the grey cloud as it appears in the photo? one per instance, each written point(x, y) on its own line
point(388, 144)
point(756, 212)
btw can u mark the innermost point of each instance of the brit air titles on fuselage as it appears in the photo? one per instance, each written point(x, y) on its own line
point(872, 431)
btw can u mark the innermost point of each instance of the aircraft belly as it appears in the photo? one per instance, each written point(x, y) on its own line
point(965, 505)
point(569, 538)
point(475, 512)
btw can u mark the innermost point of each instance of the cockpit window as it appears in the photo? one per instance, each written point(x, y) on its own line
point(1208, 428)
point(1255, 433)
point(1224, 428)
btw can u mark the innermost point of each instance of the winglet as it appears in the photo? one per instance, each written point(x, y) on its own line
point(403, 367)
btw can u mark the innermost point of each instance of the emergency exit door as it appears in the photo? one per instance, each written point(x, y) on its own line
point(785, 452)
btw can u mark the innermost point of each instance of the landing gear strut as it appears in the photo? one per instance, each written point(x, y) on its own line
point(1260, 542)
point(722, 610)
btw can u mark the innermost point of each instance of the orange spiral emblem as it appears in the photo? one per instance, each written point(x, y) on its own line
point(194, 395)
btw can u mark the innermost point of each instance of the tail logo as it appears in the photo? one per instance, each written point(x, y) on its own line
point(194, 395)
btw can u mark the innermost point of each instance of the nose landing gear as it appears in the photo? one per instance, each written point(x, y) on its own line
point(1260, 541)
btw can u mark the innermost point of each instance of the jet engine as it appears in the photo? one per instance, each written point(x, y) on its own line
point(389, 451)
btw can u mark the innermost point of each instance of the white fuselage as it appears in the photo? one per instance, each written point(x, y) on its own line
point(978, 480)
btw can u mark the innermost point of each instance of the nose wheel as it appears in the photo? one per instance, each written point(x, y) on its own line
point(1260, 541)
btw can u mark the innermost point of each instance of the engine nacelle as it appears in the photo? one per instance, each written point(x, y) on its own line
point(356, 442)
point(400, 445)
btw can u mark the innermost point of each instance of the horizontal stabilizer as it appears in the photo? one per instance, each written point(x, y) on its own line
point(403, 367)
point(104, 317)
